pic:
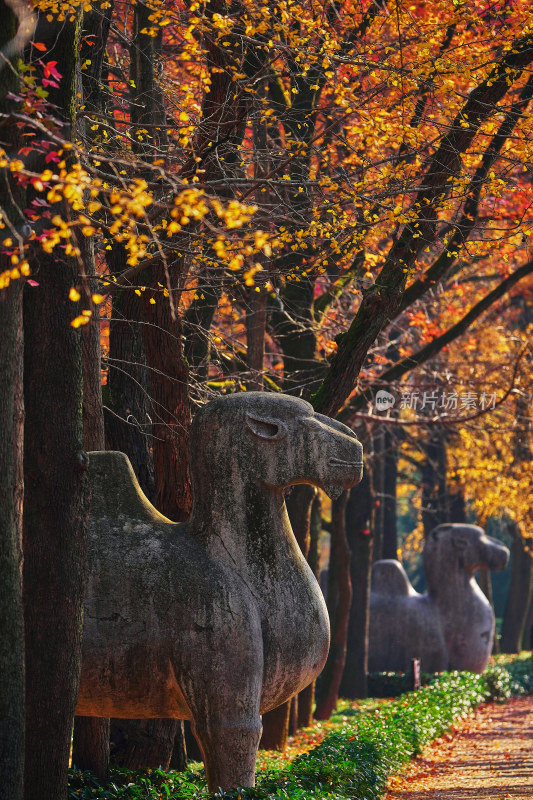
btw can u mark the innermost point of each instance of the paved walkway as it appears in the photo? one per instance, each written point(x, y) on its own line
point(490, 755)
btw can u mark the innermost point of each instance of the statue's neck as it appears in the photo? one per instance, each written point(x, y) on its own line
point(244, 529)
point(447, 589)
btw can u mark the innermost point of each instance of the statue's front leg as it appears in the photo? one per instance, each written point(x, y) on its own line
point(222, 688)
point(229, 745)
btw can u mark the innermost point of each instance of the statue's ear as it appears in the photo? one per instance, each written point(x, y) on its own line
point(266, 427)
point(435, 533)
point(459, 544)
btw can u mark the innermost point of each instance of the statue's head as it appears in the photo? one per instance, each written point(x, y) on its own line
point(466, 546)
point(276, 440)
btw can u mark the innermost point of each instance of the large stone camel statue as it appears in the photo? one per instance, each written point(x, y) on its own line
point(450, 627)
point(218, 619)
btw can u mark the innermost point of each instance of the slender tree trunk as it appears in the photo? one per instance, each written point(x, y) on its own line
point(55, 526)
point(127, 394)
point(55, 472)
point(390, 534)
point(332, 673)
point(12, 707)
point(293, 716)
point(518, 599)
point(90, 749)
point(179, 757)
point(255, 336)
point(358, 531)
point(378, 490)
point(435, 503)
point(527, 638)
point(90, 746)
point(276, 728)
point(306, 698)
point(169, 378)
point(12, 680)
point(144, 742)
point(300, 505)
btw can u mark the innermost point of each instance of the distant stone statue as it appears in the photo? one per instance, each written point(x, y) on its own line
point(450, 627)
point(219, 619)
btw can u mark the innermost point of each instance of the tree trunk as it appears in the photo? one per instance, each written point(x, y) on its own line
point(390, 535)
point(55, 526)
point(358, 531)
point(332, 673)
point(12, 689)
point(255, 336)
point(179, 757)
point(127, 395)
point(11, 488)
point(276, 728)
point(300, 505)
point(517, 604)
point(191, 743)
point(55, 472)
point(435, 504)
point(293, 716)
point(378, 490)
point(143, 743)
point(527, 638)
point(306, 698)
point(90, 748)
point(169, 378)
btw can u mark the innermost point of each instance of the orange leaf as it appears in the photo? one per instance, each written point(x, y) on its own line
point(39, 46)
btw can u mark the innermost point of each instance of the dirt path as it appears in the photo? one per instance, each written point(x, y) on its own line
point(489, 756)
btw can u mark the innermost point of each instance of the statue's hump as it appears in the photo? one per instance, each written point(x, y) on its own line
point(116, 491)
point(390, 578)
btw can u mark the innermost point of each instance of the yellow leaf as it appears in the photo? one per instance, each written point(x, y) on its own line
point(81, 320)
point(74, 295)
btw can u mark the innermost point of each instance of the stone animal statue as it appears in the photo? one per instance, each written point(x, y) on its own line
point(218, 619)
point(450, 627)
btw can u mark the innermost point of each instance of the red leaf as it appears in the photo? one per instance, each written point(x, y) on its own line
point(42, 47)
point(50, 70)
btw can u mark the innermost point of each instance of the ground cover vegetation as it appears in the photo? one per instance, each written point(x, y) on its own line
point(362, 746)
point(325, 198)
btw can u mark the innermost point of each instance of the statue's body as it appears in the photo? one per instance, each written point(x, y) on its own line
point(450, 627)
point(218, 619)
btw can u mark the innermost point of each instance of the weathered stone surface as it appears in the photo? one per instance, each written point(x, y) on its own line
point(218, 619)
point(450, 627)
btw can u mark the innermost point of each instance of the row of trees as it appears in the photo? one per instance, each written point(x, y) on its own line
point(324, 198)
